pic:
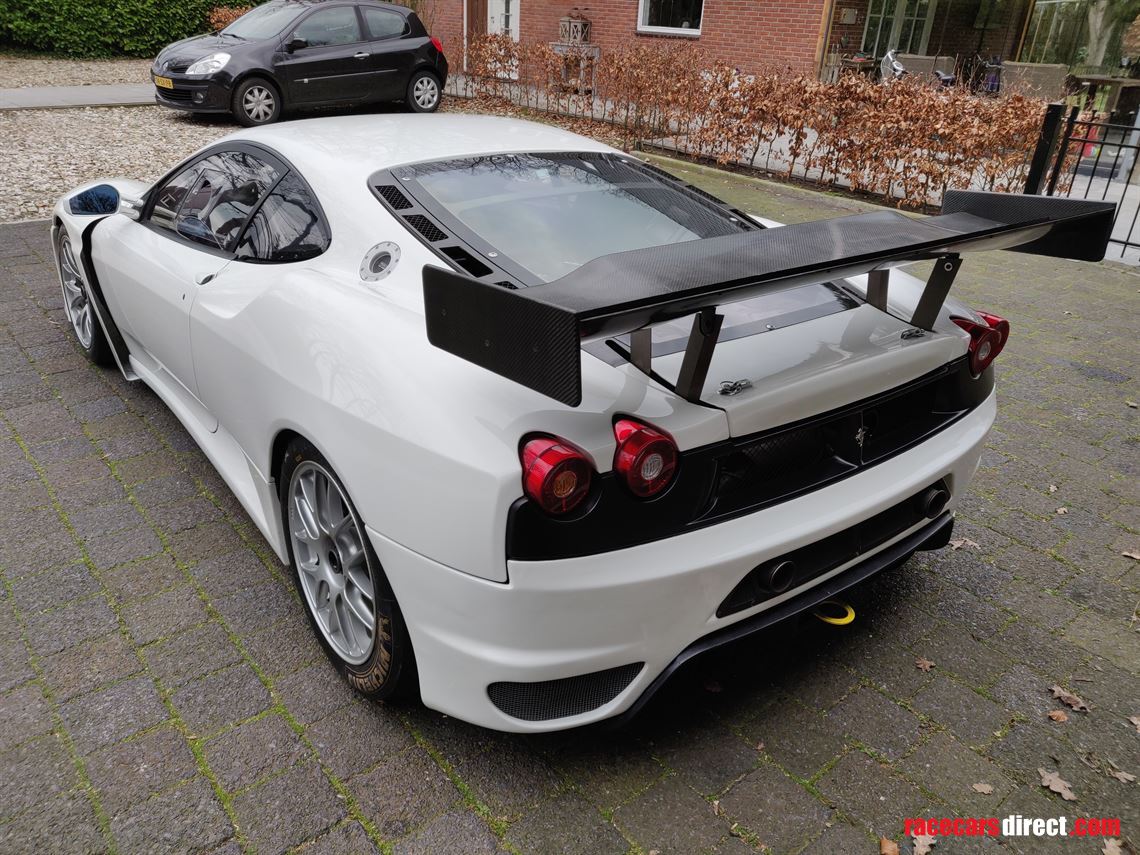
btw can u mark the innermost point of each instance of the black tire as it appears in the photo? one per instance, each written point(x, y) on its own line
point(389, 670)
point(424, 92)
point(256, 101)
point(77, 302)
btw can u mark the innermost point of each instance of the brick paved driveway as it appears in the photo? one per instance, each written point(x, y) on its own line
point(160, 689)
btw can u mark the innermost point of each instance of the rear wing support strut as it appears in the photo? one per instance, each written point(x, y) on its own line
point(707, 323)
point(936, 290)
point(933, 296)
point(698, 354)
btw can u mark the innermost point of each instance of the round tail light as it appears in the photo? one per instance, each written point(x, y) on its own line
point(646, 458)
point(556, 474)
point(986, 340)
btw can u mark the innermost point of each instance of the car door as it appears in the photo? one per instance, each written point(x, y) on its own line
point(326, 59)
point(392, 54)
point(287, 230)
point(186, 236)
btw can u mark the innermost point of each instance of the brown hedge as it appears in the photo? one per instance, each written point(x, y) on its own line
point(908, 140)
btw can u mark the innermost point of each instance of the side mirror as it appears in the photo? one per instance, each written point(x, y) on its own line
point(100, 199)
point(130, 207)
point(296, 43)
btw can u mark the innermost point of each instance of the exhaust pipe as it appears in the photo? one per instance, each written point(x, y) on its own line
point(933, 502)
point(779, 577)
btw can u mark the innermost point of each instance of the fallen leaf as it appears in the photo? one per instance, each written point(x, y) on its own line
point(923, 664)
point(1131, 404)
point(1058, 715)
point(1054, 782)
point(1135, 719)
point(1069, 698)
point(1062, 510)
point(1068, 312)
point(1135, 556)
point(984, 789)
point(955, 545)
point(1052, 488)
point(1121, 776)
point(760, 745)
point(1112, 846)
point(923, 843)
point(888, 846)
point(717, 808)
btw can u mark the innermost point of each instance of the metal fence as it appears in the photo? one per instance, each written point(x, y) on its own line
point(1088, 159)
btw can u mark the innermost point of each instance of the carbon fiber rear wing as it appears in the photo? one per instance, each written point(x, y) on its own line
point(533, 336)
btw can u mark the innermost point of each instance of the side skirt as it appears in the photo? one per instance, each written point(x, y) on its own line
point(257, 495)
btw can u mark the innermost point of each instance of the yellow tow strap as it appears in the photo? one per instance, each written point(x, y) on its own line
point(846, 613)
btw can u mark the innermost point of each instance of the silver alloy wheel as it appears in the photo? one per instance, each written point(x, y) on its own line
point(258, 103)
point(332, 562)
point(426, 92)
point(75, 300)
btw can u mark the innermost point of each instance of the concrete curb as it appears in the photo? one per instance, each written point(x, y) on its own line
point(69, 97)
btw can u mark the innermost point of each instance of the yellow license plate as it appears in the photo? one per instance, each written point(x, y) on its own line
point(164, 82)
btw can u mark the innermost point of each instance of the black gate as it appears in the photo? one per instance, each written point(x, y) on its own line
point(1091, 160)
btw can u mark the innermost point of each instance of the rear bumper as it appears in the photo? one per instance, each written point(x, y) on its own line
point(654, 604)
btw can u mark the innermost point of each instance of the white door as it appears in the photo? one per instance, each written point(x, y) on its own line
point(503, 17)
point(153, 290)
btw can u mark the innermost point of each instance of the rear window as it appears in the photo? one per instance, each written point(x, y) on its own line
point(538, 217)
point(553, 213)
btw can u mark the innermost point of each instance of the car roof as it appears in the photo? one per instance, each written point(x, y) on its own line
point(353, 147)
point(394, 7)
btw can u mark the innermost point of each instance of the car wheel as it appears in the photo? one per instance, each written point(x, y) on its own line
point(423, 92)
point(256, 102)
point(347, 596)
point(77, 302)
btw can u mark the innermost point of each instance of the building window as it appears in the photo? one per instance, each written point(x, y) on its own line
point(676, 17)
point(900, 24)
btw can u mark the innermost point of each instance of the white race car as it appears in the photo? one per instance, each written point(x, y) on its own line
point(534, 421)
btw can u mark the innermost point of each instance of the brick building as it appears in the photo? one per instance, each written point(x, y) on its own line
point(803, 35)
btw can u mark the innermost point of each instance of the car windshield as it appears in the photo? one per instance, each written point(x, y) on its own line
point(263, 22)
point(553, 213)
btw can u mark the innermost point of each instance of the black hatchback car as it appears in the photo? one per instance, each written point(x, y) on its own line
point(304, 53)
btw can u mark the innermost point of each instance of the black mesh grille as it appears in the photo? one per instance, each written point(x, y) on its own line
point(425, 227)
point(569, 696)
point(392, 195)
point(174, 94)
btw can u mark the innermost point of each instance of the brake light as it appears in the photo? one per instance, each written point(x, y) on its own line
point(646, 458)
point(437, 44)
point(556, 474)
point(986, 340)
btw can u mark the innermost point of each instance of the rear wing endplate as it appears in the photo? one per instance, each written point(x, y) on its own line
point(533, 336)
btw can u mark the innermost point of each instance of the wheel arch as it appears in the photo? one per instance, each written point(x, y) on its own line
point(264, 73)
point(281, 441)
point(428, 66)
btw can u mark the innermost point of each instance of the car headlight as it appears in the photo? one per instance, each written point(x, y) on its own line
point(210, 64)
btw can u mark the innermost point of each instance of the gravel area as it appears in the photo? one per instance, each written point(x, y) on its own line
point(47, 152)
point(50, 151)
point(17, 72)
